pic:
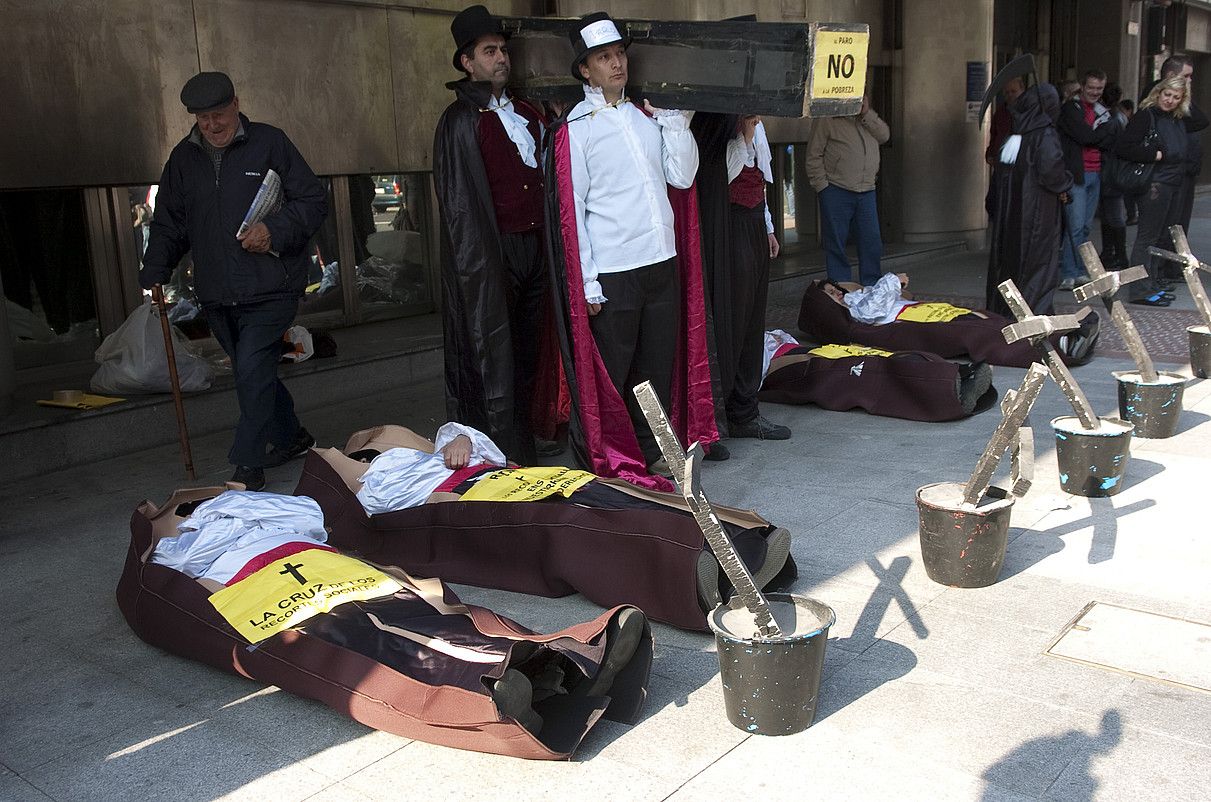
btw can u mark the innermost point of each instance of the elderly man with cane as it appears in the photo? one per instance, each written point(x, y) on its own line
point(248, 286)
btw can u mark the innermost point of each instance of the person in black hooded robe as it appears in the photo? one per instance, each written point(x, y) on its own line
point(489, 181)
point(1031, 185)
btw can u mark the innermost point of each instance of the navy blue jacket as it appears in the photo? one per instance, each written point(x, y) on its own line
point(196, 212)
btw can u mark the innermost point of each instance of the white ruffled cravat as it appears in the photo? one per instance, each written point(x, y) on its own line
point(515, 127)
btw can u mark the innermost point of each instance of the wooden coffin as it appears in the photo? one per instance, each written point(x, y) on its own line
point(781, 69)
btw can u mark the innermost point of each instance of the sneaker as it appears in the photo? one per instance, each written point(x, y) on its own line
point(971, 384)
point(1067, 283)
point(717, 452)
point(297, 448)
point(251, 478)
point(1157, 299)
point(777, 549)
point(707, 573)
point(622, 638)
point(660, 467)
point(514, 697)
point(759, 428)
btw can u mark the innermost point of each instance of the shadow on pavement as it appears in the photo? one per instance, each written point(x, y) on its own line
point(1075, 783)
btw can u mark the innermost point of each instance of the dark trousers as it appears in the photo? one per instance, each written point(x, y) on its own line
point(1159, 207)
point(251, 334)
point(841, 213)
point(525, 292)
point(748, 283)
point(637, 333)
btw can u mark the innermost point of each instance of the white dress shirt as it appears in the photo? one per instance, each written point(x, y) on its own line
point(741, 154)
point(515, 127)
point(622, 162)
point(403, 477)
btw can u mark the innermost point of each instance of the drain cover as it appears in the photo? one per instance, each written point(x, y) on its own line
point(1139, 643)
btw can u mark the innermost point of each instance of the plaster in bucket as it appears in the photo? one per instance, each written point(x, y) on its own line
point(1154, 407)
point(771, 685)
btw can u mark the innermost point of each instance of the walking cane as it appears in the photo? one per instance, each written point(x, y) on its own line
point(157, 294)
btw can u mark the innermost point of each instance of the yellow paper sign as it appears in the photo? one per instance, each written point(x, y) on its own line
point(842, 351)
point(527, 484)
point(934, 312)
point(291, 590)
point(839, 70)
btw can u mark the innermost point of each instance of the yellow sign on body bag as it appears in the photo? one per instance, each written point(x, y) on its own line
point(527, 484)
point(932, 312)
point(842, 351)
point(289, 591)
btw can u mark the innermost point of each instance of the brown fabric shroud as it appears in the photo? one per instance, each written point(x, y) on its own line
point(172, 611)
point(826, 321)
point(644, 557)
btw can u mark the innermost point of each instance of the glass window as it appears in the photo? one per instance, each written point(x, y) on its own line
point(47, 276)
point(323, 296)
point(391, 243)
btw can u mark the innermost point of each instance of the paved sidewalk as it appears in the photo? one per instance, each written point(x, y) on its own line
point(930, 692)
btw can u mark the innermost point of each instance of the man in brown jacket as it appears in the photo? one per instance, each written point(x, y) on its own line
point(842, 164)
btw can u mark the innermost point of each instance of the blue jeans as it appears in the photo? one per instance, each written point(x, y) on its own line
point(842, 214)
point(1078, 215)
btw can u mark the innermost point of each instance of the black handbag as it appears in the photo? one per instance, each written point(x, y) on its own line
point(1128, 177)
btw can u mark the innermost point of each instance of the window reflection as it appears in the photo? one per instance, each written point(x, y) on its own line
point(390, 217)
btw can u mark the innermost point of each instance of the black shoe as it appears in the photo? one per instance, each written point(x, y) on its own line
point(548, 448)
point(513, 694)
point(297, 448)
point(716, 452)
point(1152, 300)
point(759, 428)
point(251, 478)
point(971, 383)
point(622, 639)
point(1131, 221)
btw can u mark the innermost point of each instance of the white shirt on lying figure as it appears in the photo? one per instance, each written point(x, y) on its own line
point(879, 303)
point(741, 154)
point(622, 164)
point(404, 477)
point(226, 532)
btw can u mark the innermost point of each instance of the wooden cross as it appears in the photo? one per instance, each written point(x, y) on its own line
point(1190, 267)
point(1014, 407)
point(686, 467)
point(1037, 329)
point(1106, 286)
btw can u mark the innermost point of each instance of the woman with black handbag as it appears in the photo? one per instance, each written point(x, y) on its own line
point(1155, 144)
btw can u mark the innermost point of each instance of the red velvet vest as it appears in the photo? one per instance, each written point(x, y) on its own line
point(748, 188)
point(516, 189)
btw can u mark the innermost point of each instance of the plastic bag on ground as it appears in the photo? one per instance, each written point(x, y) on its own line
point(132, 359)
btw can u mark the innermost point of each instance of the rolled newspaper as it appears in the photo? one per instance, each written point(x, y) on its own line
point(267, 201)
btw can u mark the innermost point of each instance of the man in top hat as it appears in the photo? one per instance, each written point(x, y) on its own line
point(248, 287)
point(486, 168)
point(634, 307)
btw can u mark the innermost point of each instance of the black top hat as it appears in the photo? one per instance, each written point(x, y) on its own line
point(470, 24)
point(593, 32)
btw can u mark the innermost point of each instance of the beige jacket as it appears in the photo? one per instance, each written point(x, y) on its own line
point(845, 151)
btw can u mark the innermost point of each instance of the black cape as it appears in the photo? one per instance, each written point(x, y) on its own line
point(477, 338)
point(1028, 221)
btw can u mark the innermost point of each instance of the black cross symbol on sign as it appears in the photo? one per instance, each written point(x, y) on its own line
point(293, 570)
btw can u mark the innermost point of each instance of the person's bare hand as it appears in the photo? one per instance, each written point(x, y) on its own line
point(748, 127)
point(774, 247)
point(865, 106)
point(256, 239)
point(1159, 155)
point(594, 309)
point(652, 110)
point(457, 452)
point(903, 279)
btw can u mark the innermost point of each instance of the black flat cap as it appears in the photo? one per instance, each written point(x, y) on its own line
point(206, 91)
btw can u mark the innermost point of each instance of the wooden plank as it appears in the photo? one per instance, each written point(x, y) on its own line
point(1118, 311)
point(1016, 408)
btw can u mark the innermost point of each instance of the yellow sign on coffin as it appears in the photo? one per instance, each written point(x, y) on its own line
point(839, 68)
point(527, 484)
point(932, 312)
point(834, 351)
point(289, 591)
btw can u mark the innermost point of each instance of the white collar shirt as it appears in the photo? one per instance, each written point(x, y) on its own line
point(515, 127)
point(622, 163)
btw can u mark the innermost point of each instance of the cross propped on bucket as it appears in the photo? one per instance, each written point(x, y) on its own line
point(1190, 267)
point(1010, 434)
point(1106, 286)
point(1037, 329)
point(686, 473)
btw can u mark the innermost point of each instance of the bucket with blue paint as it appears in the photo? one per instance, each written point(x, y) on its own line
point(1200, 351)
point(771, 685)
point(1092, 462)
point(1154, 407)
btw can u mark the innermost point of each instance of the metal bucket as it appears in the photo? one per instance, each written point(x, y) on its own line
point(770, 686)
point(962, 547)
point(1092, 462)
point(1200, 351)
point(1154, 407)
